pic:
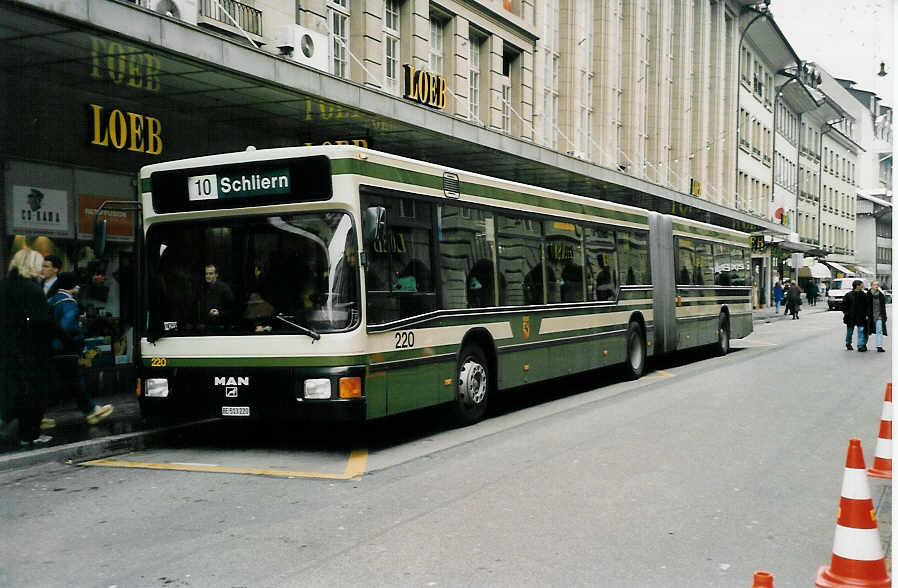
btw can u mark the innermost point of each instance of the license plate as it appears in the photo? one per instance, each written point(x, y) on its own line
point(234, 411)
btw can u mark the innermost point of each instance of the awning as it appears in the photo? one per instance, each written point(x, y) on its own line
point(863, 271)
point(812, 269)
point(841, 269)
point(815, 270)
point(793, 246)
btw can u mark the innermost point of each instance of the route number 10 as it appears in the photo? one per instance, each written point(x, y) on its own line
point(202, 187)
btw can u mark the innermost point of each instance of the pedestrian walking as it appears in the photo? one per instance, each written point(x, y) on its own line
point(854, 312)
point(26, 328)
point(67, 347)
point(876, 322)
point(777, 295)
point(812, 293)
point(794, 302)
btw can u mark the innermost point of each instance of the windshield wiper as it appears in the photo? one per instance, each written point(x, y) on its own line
point(310, 332)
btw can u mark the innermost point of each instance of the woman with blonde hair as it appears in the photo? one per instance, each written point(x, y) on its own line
point(26, 329)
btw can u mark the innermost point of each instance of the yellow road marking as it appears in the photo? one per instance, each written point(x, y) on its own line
point(355, 468)
point(663, 374)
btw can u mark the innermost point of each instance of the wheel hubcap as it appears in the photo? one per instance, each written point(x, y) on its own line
point(472, 382)
point(635, 353)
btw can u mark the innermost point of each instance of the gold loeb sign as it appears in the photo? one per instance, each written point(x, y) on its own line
point(424, 87)
point(125, 130)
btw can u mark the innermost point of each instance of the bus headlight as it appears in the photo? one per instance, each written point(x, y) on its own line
point(317, 389)
point(156, 388)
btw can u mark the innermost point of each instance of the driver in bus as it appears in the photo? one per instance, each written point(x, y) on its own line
point(218, 299)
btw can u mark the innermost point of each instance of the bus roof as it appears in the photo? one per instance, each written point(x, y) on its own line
point(467, 179)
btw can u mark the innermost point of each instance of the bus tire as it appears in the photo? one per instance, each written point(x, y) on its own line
point(636, 351)
point(472, 386)
point(723, 335)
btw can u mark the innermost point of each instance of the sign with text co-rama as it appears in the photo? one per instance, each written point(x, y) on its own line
point(424, 87)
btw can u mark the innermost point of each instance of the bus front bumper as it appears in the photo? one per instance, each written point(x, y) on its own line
point(289, 393)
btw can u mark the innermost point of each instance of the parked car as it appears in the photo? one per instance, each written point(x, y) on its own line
point(838, 288)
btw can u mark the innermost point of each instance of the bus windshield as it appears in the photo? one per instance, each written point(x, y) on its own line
point(281, 274)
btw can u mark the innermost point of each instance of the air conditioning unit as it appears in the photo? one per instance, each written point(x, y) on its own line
point(184, 10)
point(302, 45)
point(577, 154)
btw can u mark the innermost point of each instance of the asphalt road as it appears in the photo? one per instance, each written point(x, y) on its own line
point(697, 475)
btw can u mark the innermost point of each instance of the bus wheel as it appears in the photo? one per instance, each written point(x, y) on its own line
point(723, 335)
point(635, 351)
point(473, 384)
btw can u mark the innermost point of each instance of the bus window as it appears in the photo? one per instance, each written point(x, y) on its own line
point(520, 264)
point(633, 257)
point(564, 261)
point(685, 261)
point(467, 249)
point(741, 260)
point(399, 280)
point(601, 264)
point(250, 271)
point(704, 264)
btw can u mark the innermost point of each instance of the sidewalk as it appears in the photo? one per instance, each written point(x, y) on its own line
point(73, 439)
point(767, 315)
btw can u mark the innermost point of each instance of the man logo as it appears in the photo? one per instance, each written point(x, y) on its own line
point(231, 392)
point(231, 381)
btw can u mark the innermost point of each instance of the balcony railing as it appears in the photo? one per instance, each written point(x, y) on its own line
point(249, 18)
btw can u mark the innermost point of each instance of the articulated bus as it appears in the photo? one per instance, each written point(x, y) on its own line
point(343, 283)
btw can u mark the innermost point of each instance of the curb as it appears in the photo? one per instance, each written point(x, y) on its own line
point(91, 449)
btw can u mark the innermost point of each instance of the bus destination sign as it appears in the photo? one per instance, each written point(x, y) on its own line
point(242, 185)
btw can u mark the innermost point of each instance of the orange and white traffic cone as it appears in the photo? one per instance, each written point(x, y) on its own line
point(763, 580)
point(882, 461)
point(857, 552)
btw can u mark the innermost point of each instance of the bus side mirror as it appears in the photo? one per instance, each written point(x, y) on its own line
point(99, 236)
point(374, 223)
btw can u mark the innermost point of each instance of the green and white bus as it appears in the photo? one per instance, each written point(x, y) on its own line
point(343, 283)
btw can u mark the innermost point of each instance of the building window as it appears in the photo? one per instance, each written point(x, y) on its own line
point(436, 46)
point(474, 78)
point(339, 21)
point(391, 46)
point(506, 106)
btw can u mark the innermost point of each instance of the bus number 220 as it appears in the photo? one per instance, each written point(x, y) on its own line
point(405, 339)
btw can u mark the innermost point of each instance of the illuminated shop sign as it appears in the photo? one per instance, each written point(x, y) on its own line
point(125, 130)
point(424, 87)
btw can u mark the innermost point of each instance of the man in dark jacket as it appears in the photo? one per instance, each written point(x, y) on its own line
point(876, 322)
point(218, 299)
point(67, 347)
point(794, 299)
point(855, 312)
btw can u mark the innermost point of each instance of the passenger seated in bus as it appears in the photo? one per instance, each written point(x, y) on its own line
point(407, 280)
point(480, 285)
point(217, 298)
point(605, 289)
point(533, 285)
point(572, 283)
